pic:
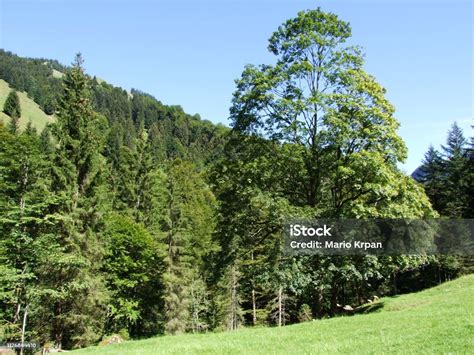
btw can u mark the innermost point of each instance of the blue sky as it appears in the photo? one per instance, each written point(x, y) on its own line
point(190, 52)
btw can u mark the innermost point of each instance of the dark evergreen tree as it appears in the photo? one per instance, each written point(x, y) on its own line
point(187, 230)
point(74, 261)
point(447, 177)
point(14, 125)
point(456, 184)
point(12, 105)
point(433, 178)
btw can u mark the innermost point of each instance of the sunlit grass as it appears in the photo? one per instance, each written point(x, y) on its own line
point(30, 111)
point(438, 320)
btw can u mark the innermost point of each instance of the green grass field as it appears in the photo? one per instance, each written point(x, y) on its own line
point(30, 111)
point(57, 74)
point(435, 321)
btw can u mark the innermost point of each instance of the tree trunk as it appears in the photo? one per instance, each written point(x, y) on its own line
point(280, 306)
point(234, 299)
point(17, 313)
point(23, 328)
point(254, 308)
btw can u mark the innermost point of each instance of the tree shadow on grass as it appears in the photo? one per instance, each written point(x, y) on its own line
point(369, 307)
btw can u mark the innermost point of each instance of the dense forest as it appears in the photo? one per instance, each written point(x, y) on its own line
point(127, 216)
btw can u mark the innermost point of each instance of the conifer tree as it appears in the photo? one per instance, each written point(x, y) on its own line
point(14, 125)
point(72, 271)
point(446, 177)
point(187, 229)
point(433, 177)
point(456, 184)
point(12, 105)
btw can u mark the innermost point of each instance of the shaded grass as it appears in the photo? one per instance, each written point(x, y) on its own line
point(437, 320)
point(30, 111)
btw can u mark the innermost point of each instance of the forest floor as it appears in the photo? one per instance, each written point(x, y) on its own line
point(436, 320)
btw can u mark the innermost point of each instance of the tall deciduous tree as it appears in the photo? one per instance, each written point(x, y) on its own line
point(314, 130)
point(318, 98)
point(133, 269)
point(25, 220)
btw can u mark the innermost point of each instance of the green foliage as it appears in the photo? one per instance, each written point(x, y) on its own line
point(304, 314)
point(173, 133)
point(100, 214)
point(34, 76)
point(132, 268)
point(75, 255)
point(25, 201)
point(129, 216)
point(12, 108)
point(313, 136)
point(30, 111)
point(187, 229)
point(447, 178)
point(340, 126)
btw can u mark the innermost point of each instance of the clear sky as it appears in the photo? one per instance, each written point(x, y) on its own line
point(190, 52)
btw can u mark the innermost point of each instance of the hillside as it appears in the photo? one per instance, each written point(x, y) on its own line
point(30, 111)
point(437, 320)
point(172, 132)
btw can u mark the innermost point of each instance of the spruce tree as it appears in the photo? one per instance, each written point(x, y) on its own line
point(14, 125)
point(469, 213)
point(187, 230)
point(12, 105)
point(433, 178)
point(456, 177)
point(77, 180)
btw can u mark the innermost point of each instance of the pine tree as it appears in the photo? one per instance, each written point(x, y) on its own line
point(14, 125)
point(455, 143)
point(469, 213)
point(72, 271)
point(456, 162)
point(138, 185)
point(433, 178)
point(187, 230)
point(12, 105)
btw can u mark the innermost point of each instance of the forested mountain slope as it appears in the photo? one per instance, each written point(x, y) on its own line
point(172, 132)
point(30, 109)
